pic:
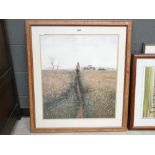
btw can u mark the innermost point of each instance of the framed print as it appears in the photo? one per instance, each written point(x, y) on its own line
point(148, 48)
point(142, 113)
point(78, 74)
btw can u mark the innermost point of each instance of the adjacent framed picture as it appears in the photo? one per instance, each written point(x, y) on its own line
point(78, 74)
point(142, 112)
point(148, 48)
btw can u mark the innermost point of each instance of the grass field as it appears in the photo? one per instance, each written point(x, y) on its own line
point(101, 92)
point(57, 99)
point(55, 83)
point(60, 97)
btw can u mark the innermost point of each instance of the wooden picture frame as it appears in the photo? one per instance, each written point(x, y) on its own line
point(132, 114)
point(148, 48)
point(73, 23)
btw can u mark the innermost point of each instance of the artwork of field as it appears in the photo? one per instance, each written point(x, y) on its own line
point(149, 93)
point(79, 76)
point(91, 94)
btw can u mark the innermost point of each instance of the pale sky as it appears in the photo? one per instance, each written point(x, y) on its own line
point(67, 50)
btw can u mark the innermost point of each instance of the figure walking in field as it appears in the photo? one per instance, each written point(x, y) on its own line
point(77, 68)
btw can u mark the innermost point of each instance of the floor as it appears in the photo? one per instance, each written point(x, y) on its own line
point(22, 127)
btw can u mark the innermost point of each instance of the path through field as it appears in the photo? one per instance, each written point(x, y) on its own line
point(69, 105)
point(89, 94)
point(80, 97)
